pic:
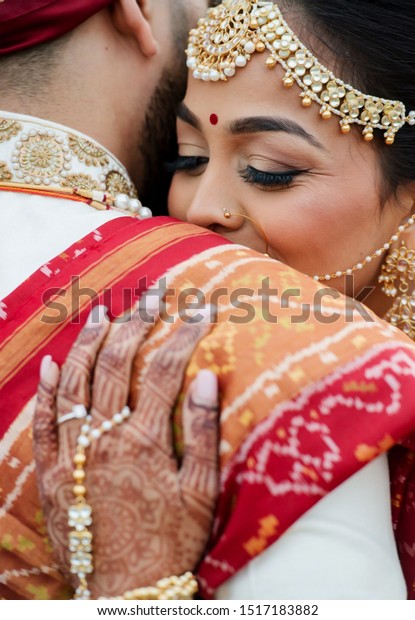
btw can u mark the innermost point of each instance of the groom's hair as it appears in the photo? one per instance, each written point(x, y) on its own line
point(30, 72)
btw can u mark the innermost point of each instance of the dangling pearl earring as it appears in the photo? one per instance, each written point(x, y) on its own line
point(397, 278)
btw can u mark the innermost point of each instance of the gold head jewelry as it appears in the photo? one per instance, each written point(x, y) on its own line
point(227, 214)
point(226, 38)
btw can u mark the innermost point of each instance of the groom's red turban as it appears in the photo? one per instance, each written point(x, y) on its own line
point(25, 23)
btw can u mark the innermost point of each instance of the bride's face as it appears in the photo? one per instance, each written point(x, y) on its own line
point(248, 146)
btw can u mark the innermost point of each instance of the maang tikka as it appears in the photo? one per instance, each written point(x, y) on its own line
point(226, 38)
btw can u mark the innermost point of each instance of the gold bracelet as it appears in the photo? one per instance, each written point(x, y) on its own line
point(169, 589)
point(80, 520)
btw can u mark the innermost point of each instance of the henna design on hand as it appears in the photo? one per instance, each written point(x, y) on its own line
point(151, 518)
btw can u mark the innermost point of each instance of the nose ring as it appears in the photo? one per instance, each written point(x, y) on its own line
point(227, 215)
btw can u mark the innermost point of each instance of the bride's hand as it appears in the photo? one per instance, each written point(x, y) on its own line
point(151, 517)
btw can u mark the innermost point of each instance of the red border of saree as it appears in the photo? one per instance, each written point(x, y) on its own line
point(113, 257)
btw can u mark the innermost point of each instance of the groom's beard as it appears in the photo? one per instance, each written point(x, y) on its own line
point(158, 142)
point(158, 139)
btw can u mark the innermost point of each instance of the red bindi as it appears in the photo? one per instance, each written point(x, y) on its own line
point(214, 119)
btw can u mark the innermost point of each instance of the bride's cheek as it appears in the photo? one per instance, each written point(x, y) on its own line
point(177, 201)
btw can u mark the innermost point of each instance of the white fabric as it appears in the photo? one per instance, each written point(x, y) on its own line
point(34, 229)
point(342, 548)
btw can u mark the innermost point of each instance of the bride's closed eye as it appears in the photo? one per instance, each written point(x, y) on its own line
point(196, 165)
point(193, 165)
point(269, 180)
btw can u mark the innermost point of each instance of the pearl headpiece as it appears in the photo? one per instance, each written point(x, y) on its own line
point(231, 32)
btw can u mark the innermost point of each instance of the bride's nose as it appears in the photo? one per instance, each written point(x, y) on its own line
point(211, 206)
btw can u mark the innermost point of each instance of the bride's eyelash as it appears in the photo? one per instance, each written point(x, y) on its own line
point(185, 163)
point(269, 180)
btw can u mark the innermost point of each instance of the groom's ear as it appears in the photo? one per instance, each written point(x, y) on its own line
point(132, 18)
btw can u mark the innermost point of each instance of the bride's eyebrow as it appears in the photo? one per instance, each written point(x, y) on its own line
point(259, 124)
point(254, 124)
point(187, 116)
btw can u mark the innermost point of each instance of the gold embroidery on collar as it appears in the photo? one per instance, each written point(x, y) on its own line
point(81, 181)
point(88, 153)
point(5, 174)
point(34, 153)
point(40, 158)
point(116, 183)
point(8, 129)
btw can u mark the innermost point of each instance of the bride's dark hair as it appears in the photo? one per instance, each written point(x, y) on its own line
point(373, 44)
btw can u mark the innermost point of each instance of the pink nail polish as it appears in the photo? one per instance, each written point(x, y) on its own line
point(45, 365)
point(206, 388)
point(208, 313)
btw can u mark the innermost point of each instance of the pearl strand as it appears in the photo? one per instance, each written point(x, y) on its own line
point(122, 202)
point(368, 259)
point(80, 512)
point(133, 205)
point(167, 589)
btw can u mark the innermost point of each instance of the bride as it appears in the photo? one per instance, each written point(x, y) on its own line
point(263, 161)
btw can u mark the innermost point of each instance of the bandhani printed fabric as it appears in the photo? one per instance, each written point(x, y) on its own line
point(116, 263)
point(306, 401)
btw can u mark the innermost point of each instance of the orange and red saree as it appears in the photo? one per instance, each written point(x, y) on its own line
point(114, 265)
point(306, 401)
